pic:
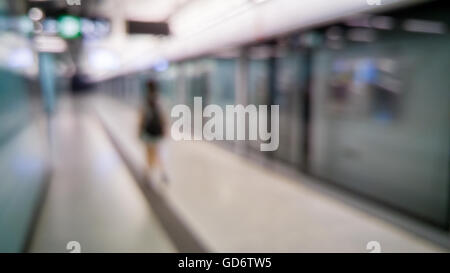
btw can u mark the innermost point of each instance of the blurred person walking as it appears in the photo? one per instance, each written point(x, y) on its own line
point(152, 130)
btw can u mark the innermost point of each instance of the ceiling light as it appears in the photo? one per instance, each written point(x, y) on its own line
point(35, 14)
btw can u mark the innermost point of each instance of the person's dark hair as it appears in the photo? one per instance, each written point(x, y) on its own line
point(152, 90)
point(152, 86)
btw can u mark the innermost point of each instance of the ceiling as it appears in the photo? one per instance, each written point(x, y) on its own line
point(197, 26)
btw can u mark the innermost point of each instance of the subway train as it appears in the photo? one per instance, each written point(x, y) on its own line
point(364, 102)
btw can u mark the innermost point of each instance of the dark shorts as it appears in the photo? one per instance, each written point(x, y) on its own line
point(147, 138)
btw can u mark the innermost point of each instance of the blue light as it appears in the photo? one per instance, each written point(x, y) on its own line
point(161, 66)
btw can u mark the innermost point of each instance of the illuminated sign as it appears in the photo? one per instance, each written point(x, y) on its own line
point(69, 27)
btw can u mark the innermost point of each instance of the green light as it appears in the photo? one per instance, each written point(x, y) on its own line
point(69, 26)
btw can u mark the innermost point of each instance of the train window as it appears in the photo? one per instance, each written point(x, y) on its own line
point(339, 84)
point(385, 94)
point(349, 86)
point(367, 87)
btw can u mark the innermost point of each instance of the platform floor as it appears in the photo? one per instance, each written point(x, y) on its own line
point(92, 198)
point(235, 205)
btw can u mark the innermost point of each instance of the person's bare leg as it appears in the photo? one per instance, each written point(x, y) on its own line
point(156, 170)
point(151, 159)
point(160, 152)
point(151, 155)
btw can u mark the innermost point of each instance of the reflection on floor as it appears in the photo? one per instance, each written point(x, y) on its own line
point(234, 205)
point(92, 198)
point(24, 170)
